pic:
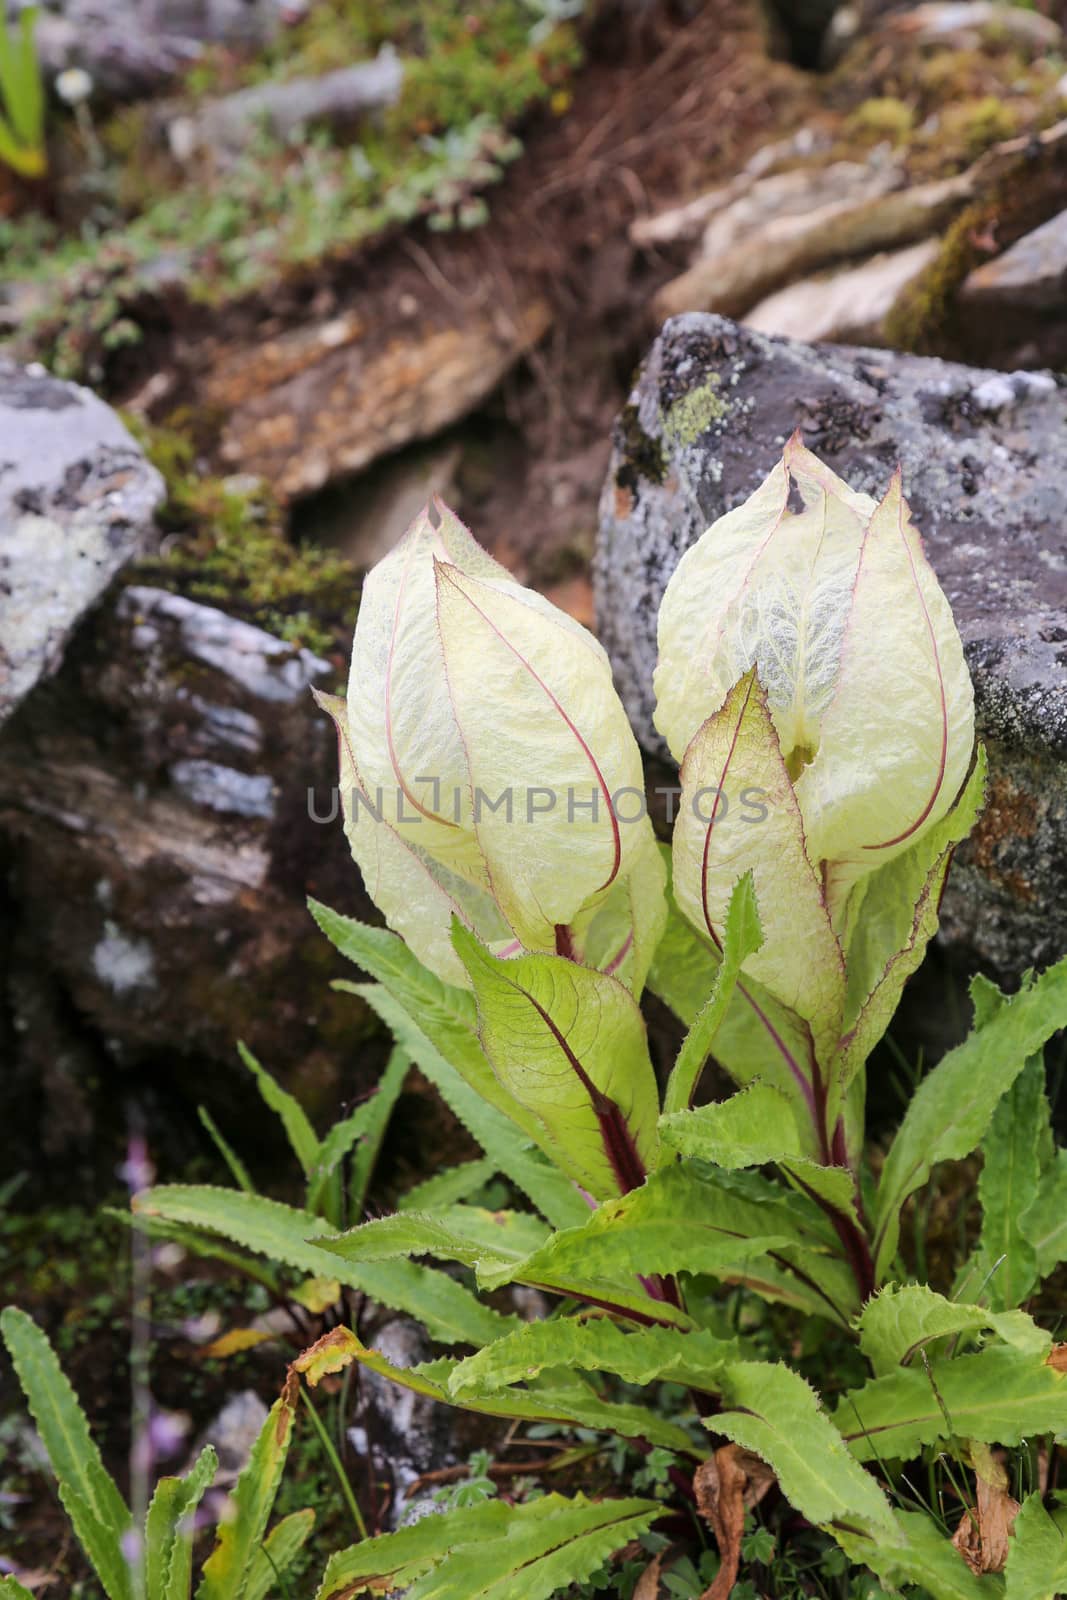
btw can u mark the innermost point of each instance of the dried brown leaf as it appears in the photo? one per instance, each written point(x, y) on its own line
point(982, 1536)
point(648, 1583)
point(1057, 1358)
point(727, 1485)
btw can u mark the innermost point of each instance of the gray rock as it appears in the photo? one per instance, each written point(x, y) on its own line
point(77, 499)
point(407, 1434)
point(985, 467)
point(1030, 275)
point(233, 1433)
point(132, 47)
point(157, 846)
point(337, 98)
point(849, 306)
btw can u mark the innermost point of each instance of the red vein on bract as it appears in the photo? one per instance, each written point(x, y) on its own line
point(619, 1145)
point(617, 961)
point(714, 813)
point(394, 762)
point(921, 818)
point(616, 836)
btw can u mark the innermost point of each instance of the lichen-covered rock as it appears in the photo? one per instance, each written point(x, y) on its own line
point(159, 842)
point(985, 464)
point(77, 500)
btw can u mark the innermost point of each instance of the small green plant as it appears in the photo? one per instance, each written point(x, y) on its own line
point(22, 102)
point(843, 752)
point(728, 1309)
point(155, 1561)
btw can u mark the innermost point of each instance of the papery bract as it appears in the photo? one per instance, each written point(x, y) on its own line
point(484, 740)
point(830, 597)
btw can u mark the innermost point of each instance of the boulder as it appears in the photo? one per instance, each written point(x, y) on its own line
point(226, 126)
point(159, 844)
point(984, 456)
point(326, 399)
point(1030, 275)
point(849, 306)
point(77, 500)
point(133, 47)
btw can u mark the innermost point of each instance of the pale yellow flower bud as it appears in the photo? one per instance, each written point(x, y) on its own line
point(488, 743)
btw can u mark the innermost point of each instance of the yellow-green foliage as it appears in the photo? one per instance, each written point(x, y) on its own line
point(920, 318)
point(973, 125)
point(881, 118)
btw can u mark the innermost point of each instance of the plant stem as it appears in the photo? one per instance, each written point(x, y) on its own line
point(335, 1462)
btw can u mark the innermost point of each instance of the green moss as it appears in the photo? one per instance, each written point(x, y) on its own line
point(229, 548)
point(472, 69)
point(883, 117)
point(973, 125)
point(695, 412)
point(919, 321)
point(643, 455)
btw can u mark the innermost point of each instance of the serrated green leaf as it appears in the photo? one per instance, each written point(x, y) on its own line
point(443, 1014)
point(560, 1397)
point(382, 1565)
point(1008, 1188)
point(477, 1238)
point(1037, 1552)
point(1046, 1221)
point(448, 1187)
point(696, 1219)
point(742, 937)
point(168, 1546)
point(206, 1246)
point(898, 1321)
point(569, 1045)
point(548, 1544)
point(178, 1581)
point(952, 1107)
point(302, 1137)
point(366, 1124)
point(918, 1552)
point(779, 1416)
point(228, 1567)
point(640, 1357)
point(450, 1313)
point(998, 1396)
point(277, 1553)
point(890, 918)
point(379, 1108)
point(492, 1551)
point(11, 1589)
point(755, 1126)
point(512, 1149)
point(107, 1558)
point(100, 1516)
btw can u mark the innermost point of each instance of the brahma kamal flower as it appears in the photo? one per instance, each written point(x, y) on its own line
point(807, 652)
point(483, 747)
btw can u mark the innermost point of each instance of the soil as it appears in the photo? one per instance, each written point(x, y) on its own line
point(642, 130)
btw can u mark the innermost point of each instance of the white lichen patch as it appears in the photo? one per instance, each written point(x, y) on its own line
point(123, 963)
